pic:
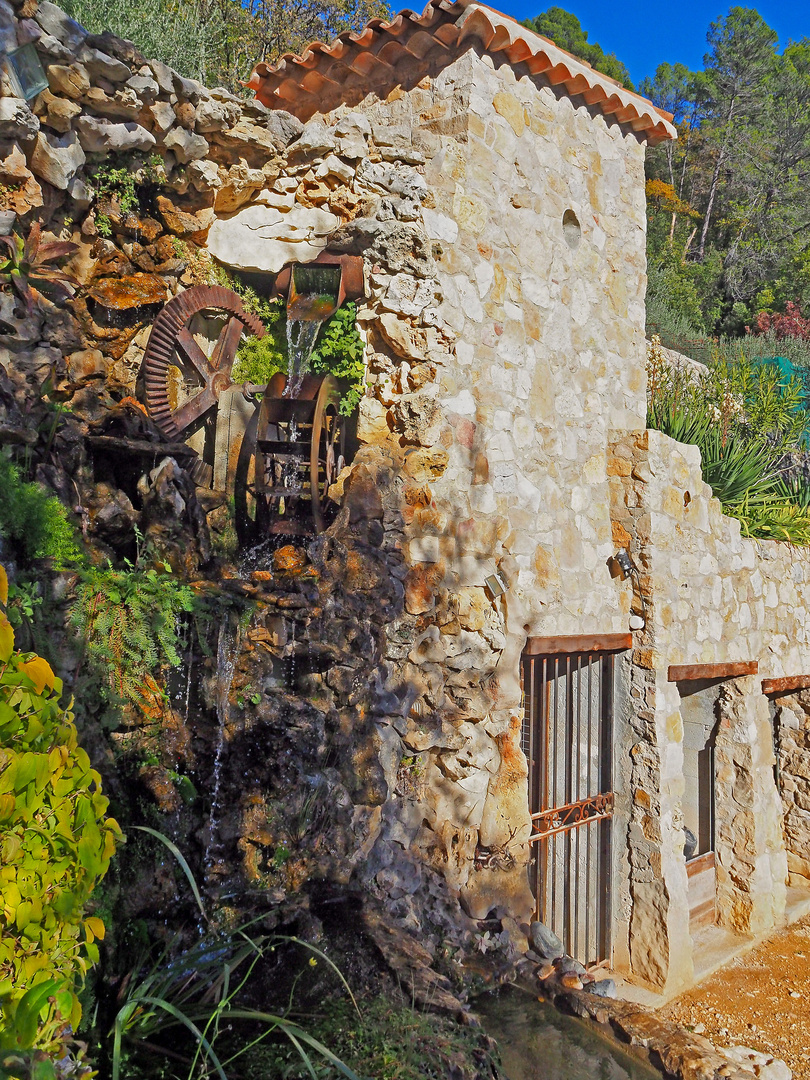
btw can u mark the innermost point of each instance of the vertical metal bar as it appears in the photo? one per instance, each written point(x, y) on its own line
point(542, 848)
point(552, 866)
point(588, 902)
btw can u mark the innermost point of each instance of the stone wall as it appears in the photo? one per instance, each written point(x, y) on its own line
point(710, 596)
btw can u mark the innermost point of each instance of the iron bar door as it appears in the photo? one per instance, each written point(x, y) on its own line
point(567, 738)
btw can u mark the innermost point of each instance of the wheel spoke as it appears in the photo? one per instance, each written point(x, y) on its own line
point(194, 408)
point(227, 343)
point(191, 351)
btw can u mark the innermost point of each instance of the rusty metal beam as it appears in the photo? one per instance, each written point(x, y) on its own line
point(785, 685)
point(693, 672)
point(581, 643)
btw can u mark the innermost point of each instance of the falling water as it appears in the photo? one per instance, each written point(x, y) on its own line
point(293, 659)
point(227, 650)
point(301, 337)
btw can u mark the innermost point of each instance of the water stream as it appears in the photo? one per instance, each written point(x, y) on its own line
point(301, 337)
point(537, 1042)
point(227, 651)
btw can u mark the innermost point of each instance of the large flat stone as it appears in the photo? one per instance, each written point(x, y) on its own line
point(264, 238)
point(57, 158)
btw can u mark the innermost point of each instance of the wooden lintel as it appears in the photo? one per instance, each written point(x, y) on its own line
point(580, 643)
point(785, 685)
point(693, 672)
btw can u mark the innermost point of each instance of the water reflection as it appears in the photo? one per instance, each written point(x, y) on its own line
point(537, 1042)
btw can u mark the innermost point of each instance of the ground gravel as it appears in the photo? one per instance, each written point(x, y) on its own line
point(761, 1000)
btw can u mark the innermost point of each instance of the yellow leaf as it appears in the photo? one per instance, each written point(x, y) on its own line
point(39, 672)
point(3, 586)
point(94, 928)
point(6, 639)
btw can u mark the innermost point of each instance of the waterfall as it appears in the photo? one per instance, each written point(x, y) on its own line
point(301, 337)
point(227, 651)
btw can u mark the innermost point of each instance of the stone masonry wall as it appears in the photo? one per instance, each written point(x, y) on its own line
point(534, 330)
point(711, 596)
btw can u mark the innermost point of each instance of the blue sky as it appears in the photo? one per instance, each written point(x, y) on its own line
point(645, 34)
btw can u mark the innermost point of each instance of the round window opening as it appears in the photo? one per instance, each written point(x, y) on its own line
point(572, 230)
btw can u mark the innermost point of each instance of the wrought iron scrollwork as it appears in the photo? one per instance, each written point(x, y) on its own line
point(561, 818)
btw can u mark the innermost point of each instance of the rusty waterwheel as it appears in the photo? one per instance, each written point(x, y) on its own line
point(172, 345)
point(292, 451)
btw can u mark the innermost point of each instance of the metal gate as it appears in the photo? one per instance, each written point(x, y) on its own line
point(567, 737)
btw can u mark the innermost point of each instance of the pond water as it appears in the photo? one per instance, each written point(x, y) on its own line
point(537, 1042)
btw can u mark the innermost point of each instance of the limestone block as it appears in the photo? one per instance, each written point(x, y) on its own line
point(16, 120)
point(57, 159)
point(55, 22)
point(204, 175)
point(264, 238)
point(99, 136)
point(24, 192)
point(144, 87)
point(57, 112)
point(186, 215)
point(71, 81)
point(185, 145)
point(315, 139)
point(101, 66)
point(123, 105)
point(216, 115)
point(162, 117)
point(164, 77)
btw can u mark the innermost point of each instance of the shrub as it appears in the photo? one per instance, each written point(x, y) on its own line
point(56, 844)
point(747, 419)
point(34, 524)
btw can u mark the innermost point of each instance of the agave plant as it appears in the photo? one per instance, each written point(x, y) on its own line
point(28, 268)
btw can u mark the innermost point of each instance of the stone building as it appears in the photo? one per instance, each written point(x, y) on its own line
point(564, 640)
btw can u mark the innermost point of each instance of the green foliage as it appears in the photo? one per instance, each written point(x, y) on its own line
point(339, 352)
point(746, 418)
point(219, 41)
point(565, 30)
point(259, 359)
point(56, 843)
point(34, 524)
point(129, 621)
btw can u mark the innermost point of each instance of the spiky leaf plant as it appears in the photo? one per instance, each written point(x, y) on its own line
point(29, 268)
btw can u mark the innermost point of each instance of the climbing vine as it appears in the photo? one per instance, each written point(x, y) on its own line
point(55, 845)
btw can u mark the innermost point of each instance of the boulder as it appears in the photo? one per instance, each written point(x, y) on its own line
point(99, 136)
point(265, 238)
point(164, 77)
point(283, 128)
point(188, 214)
point(160, 117)
point(8, 28)
point(185, 145)
point(123, 105)
point(55, 22)
point(69, 80)
point(57, 112)
point(16, 120)
point(315, 139)
point(216, 115)
point(23, 192)
point(545, 942)
point(99, 65)
point(57, 159)
point(188, 89)
point(145, 87)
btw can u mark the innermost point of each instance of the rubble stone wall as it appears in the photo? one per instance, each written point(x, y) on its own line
point(710, 596)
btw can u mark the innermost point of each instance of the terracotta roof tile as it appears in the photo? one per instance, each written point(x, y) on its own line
point(401, 52)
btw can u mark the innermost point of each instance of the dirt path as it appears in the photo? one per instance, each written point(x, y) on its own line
point(761, 1000)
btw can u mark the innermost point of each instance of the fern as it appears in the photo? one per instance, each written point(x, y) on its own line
point(128, 619)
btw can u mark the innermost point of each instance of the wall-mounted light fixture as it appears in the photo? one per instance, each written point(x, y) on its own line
point(496, 585)
point(629, 570)
point(626, 564)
